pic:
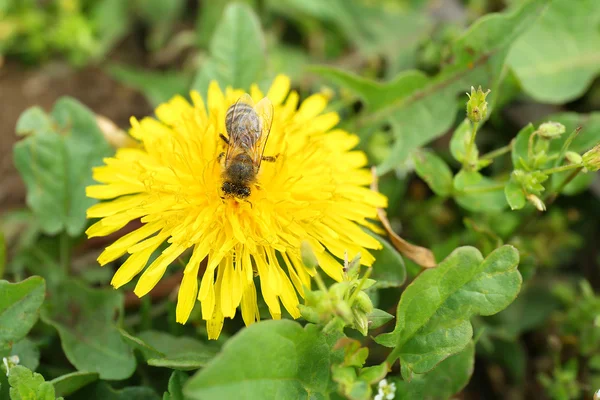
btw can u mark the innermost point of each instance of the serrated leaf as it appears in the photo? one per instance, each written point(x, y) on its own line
point(70, 383)
point(388, 268)
point(269, 360)
point(27, 385)
point(176, 382)
point(183, 353)
point(432, 321)
point(19, 308)
point(237, 51)
point(514, 195)
point(85, 321)
point(433, 170)
point(478, 193)
point(557, 59)
point(56, 166)
point(445, 380)
point(421, 108)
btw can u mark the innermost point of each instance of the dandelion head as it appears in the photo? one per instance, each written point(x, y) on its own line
point(315, 191)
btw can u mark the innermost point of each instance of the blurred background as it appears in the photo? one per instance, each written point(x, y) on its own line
point(122, 58)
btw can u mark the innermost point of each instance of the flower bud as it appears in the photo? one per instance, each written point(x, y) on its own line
point(536, 201)
point(309, 259)
point(477, 106)
point(591, 159)
point(360, 322)
point(573, 157)
point(551, 130)
point(363, 302)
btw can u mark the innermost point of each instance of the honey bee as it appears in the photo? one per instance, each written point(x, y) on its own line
point(248, 127)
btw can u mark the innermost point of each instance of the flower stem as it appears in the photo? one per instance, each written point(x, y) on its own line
point(562, 168)
point(320, 282)
point(65, 253)
point(498, 152)
point(470, 145)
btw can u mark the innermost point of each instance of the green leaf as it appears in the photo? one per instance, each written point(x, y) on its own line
point(56, 166)
point(19, 308)
point(27, 351)
point(103, 391)
point(157, 86)
point(521, 145)
point(514, 195)
point(379, 318)
point(111, 21)
point(460, 140)
point(182, 353)
point(85, 321)
point(558, 58)
point(433, 170)
point(27, 385)
point(237, 51)
point(269, 360)
point(445, 380)
point(176, 383)
point(137, 343)
point(70, 383)
point(432, 321)
point(33, 120)
point(388, 268)
point(478, 193)
point(421, 108)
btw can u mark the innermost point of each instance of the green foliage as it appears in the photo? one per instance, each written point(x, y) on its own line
point(557, 74)
point(445, 380)
point(56, 159)
point(19, 308)
point(27, 385)
point(88, 334)
point(420, 108)
point(237, 51)
point(432, 320)
point(261, 371)
point(396, 73)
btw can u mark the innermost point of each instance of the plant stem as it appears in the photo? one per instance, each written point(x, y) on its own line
point(498, 152)
point(552, 196)
point(65, 253)
point(484, 189)
point(470, 145)
point(530, 146)
point(562, 168)
point(320, 282)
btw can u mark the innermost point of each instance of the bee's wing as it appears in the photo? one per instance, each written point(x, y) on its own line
point(238, 139)
point(264, 110)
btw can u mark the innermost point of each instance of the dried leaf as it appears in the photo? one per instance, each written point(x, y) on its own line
point(420, 255)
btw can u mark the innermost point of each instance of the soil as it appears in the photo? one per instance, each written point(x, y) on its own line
point(22, 87)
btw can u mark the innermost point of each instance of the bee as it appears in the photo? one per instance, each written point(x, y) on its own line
point(248, 127)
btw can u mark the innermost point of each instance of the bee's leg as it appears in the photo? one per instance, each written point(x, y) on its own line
point(224, 138)
point(270, 158)
point(221, 155)
point(248, 201)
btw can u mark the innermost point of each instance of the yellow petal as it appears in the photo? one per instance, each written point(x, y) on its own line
point(157, 269)
point(279, 89)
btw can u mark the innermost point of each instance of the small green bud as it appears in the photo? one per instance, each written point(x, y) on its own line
point(309, 259)
point(591, 159)
point(574, 158)
point(363, 302)
point(477, 106)
point(551, 130)
point(536, 201)
point(361, 322)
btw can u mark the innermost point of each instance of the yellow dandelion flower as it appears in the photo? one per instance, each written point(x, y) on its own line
point(316, 190)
